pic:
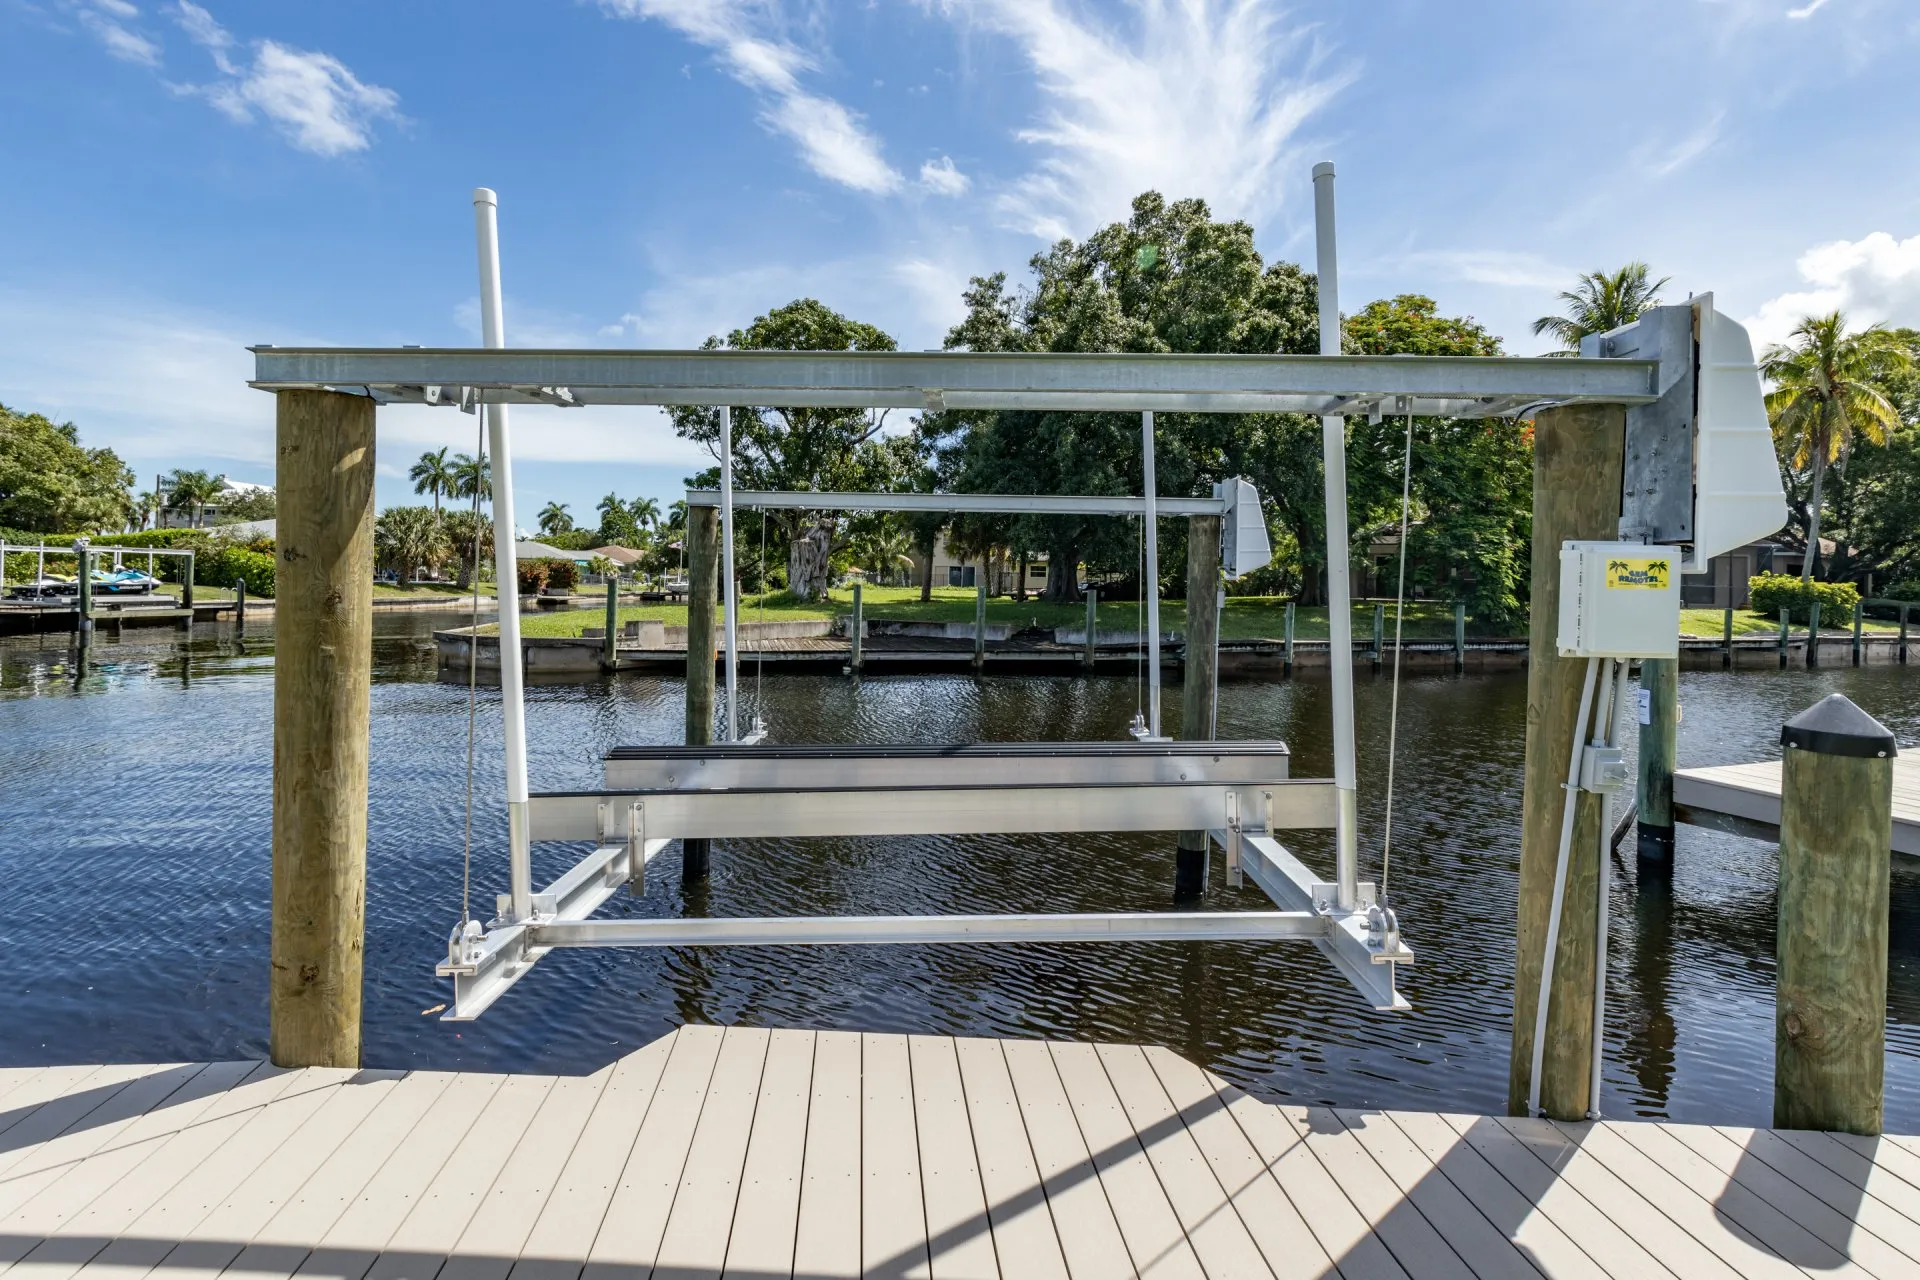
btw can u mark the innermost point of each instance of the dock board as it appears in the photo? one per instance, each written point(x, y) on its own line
point(750, 1153)
point(1745, 799)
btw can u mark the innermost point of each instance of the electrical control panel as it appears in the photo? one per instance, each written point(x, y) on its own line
point(1619, 600)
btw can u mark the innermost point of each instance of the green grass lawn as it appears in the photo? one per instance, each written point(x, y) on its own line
point(381, 591)
point(1709, 623)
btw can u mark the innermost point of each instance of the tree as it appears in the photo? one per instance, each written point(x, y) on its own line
point(802, 448)
point(51, 483)
point(470, 535)
point(645, 512)
point(880, 547)
point(145, 505)
point(192, 491)
point(409, 539)
point(472, 477)
point(237, 505)
point(553, 518)
point(1603, 300)
point(1826, 385)
point(617, 525)
point(434, 475)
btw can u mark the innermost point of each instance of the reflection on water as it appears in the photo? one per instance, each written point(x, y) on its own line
point(136, 802)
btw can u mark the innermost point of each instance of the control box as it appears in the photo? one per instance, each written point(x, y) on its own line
point(1619, 600)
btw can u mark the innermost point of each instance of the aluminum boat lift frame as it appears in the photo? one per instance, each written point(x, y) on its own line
point(1238, 792)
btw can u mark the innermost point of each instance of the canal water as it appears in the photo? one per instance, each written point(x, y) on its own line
point(135, 832)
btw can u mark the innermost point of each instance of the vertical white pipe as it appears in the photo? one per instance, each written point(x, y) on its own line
point(1152, 585)
point(1605, 892)
point(732, 583)
point(512, 681)
point(1333, 450)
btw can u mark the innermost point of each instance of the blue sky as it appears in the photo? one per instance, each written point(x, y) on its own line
point(184, 180)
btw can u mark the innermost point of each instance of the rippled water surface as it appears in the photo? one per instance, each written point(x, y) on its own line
point(135, 807)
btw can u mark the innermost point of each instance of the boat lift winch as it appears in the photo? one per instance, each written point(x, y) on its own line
point(1239, 792)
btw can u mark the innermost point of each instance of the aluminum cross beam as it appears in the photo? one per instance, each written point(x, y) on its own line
point(1449, 386)
point(1014, 504)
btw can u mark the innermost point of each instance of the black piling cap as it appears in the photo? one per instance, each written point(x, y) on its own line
point(1834, 726)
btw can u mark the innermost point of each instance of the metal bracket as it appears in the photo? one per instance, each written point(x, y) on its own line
point(1656, 489)
point(1603, 770)
point(1234, 879)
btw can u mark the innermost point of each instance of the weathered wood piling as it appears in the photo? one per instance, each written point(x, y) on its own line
point(1659, 745)
point(703, 575)
point(1199, 682)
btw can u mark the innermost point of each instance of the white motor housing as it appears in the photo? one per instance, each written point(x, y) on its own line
point(1737, 496)
point(1619, 600)
point(1243, 529)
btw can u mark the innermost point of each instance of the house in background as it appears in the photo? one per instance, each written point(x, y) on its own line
point(1001, 576)
point(1724, 583)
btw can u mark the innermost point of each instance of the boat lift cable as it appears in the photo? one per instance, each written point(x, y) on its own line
point(1399, 616)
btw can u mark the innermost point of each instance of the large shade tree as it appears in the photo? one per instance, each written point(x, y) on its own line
point(1829, 385)
point(803, 448)
point(51, 483)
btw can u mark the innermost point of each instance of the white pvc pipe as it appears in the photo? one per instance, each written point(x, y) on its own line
point(1152, 585)
point(1605, 889)
point(512, 680)
point(1570, 794)
point(1333, 451)
point(733, 584)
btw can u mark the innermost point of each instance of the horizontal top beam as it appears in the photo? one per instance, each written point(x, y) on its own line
point(1017, 504)
point(1451, 386)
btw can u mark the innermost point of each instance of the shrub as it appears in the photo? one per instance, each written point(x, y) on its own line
point(225, 565)
point(1908, 590)
point(1773, 592)
point(531, 575)
point(563, 575)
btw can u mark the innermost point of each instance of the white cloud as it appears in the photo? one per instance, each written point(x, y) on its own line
point(1807, 10)
point(1873, 279)
point(1658, 161)
point(205, 32)
point(312, 98)
point(1202, 98)
point(832, 139)
point(107, 20)
point(942, 179)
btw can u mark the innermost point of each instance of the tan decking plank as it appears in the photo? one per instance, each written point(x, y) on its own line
point(283, 1244)
point(1537, 1181)
point(440, 1215)
point(145, 1241)
point(1620, 1200)
point(1090, 1238)
point(81, 1186)
point(556, 1248)
point(47, 1162)
point(628, 1242)
point(1025, 1242)
point(1888, 1157)
point(1483, 1247)
point(1847, 1234)
point(62, 1087)
point(1729, 1219)
point(1840, 1193)
point(102, 1099)
point(1866, 1170)
point(1221, 1241)
point(492, 1241)
point(209, 1245)
point(347, 1248)
point(960, 1241)
point(12, 1078)
point(1342, 1231)
point(701, 1219)
point(893, 1216)
point(1148, 1222)
point(1284, 1238)
point(1536, 1235)
point(826, 1239)
point(766, 1215)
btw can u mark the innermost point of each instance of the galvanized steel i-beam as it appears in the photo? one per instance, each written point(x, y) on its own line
point(1448, 386)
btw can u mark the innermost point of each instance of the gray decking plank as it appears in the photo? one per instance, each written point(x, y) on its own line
point(826, 1239)
point(1025, 1241)
point(1865, 1170)
point(960, 1242)
point(1090, 1238)
point(766, 1214)
point(45, 1163)
point(893, 1215)
point(701, 1220)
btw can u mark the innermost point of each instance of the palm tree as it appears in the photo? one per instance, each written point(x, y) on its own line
point(1602, 301)
point(193, 490)
point(1824, 388)
point(553, 518)
point(143, 507)
point(468, 532)
point(882, 550)
point(472, 477)
point(433, 475)
point(645, 511)
point(407, 539)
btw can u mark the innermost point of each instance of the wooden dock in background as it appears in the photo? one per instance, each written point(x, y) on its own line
point(1745, 799)
point(834, 1154)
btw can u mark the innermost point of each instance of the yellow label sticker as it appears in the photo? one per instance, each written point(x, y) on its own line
point(1650, 575)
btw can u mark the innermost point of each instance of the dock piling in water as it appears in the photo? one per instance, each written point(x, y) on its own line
point(1813, 634)
point(1093, 622)
point(859, 622)
point(1659, 741)
point(703, 573)
point(1379, 633)
point(1830, 1002)
point(610, 645)
point(1726, 640)
point(980, 621)
point(1287, 664)
point(322, 685)
point(1459, 636)
point(1786, 634)
point(1198, 683)
point(1859, 612)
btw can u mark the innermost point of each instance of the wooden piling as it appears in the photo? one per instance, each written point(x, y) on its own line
point(186, 586)
point(1786, 634)
point(1813, 634)
point(1093, 622)
point(1726, 640)
point(1576, 490)
point(322, 680)
point(1859, 613)
point(1286, 667)
point(980, 622)
point(83, 625)
point(703, 576)
point(610, 645)
point(1659, 744)
point(239, 603)
point(859, 624)
point(1903, 634)
point(1830, 1002)
point(1199, 685)
point(1379, 633)
point(1459, 636)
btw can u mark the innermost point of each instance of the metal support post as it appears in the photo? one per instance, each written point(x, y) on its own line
point(1152, 585)
point(1093, 618)
point(1726, 640)
point(1287, 662)
point(859, 623)
point(729, 582)
point(1859, 612)
point(1333, 452)
point(980, 620)
point(513, 694)
point(1659, 743)
point(1459, 636)
point(609, 644)
point(1813, 634)
point(1786, 634)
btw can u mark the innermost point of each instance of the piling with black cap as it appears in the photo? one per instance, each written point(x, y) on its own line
point(1836, 840)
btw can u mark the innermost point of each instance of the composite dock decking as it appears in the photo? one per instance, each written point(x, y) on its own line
point(1745, 798)
point(793, 1153)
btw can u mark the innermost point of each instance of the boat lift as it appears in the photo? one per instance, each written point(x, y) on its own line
point(1239, 792)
